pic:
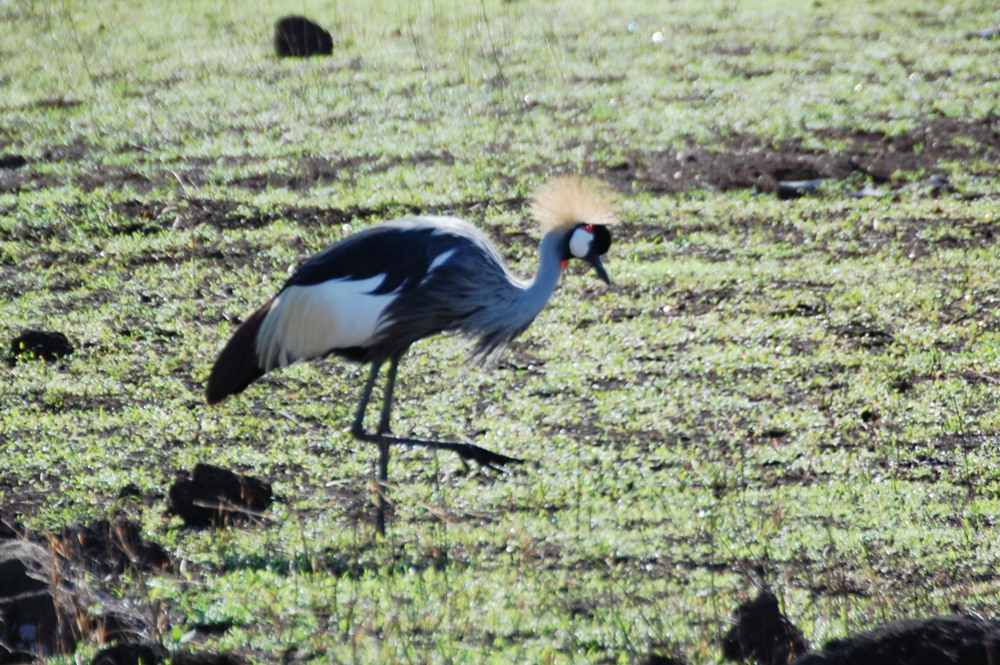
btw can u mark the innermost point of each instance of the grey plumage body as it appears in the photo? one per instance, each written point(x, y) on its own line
point(471, 292)
point(370, 296)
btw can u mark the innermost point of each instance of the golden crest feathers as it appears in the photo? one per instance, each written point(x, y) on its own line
point(570, 200)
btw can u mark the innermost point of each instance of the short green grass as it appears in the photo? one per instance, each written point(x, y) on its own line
point(793, 393)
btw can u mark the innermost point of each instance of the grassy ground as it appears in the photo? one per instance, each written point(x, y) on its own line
point(794, 393)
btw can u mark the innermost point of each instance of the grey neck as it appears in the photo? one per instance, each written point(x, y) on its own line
point(540, 289)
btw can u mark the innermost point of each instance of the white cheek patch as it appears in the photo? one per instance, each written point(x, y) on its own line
point(580, 242)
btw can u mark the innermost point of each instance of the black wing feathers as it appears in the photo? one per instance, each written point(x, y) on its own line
point(236, 367)
point(403, 255)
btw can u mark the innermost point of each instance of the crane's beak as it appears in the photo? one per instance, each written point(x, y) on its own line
point(595, 261)
point(600, 243)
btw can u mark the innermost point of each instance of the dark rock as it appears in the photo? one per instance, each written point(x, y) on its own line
point(12, 161)
point(299, 37)
point(130, 491)
point(38, 612)
point(762, 634)
point(135, 653)
point(32, 344)
point(951, 640)
point(111, 548)
point(211, 495)
point(867, 192)
point(941, 185)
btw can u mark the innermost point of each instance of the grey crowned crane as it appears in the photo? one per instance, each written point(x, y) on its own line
point(371, 295)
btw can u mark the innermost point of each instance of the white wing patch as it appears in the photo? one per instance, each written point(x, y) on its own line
point(308, 321)
point(440, 260)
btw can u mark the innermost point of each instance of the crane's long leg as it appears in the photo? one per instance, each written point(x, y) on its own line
point(467, 451)
point(383, 444)
point(358, 426)
point(382, 437)
point(383, 480)
point(390, 387)
point(358, 430)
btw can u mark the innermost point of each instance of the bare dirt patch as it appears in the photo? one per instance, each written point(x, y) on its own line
point(753, 162)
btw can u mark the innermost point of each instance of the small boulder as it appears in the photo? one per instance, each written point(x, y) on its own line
point(212, 496)
point(111, 548)
point(297, 36)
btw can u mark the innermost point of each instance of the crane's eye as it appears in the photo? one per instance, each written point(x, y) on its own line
point(589, 240)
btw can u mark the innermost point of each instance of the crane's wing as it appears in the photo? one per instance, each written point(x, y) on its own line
point(338, 301)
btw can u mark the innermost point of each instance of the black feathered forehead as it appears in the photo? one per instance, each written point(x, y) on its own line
point(602, 239)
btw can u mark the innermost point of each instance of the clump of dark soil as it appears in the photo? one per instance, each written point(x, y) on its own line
point(213, 496)
point(110, 548)
point(45, 589)
point(39, 344)
point(39, 611)
point(12, 161)
point(763, 634)
point(951, 640)
point(297, 36)
point(864, 334)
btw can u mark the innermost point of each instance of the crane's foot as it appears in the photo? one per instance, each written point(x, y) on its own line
point(467, 451)
point(470, 451)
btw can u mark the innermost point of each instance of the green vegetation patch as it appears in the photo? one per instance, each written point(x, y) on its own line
point(798, 393)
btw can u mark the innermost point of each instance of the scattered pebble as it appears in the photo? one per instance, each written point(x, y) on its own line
point(867, 192)
point(986, 33)
point(941, 185)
